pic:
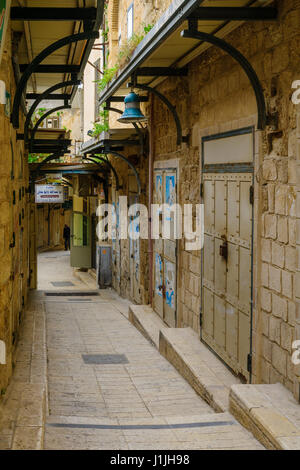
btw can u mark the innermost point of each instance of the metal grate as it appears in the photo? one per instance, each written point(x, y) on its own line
point(62, 284)
point(104, 359)
point(72, 294)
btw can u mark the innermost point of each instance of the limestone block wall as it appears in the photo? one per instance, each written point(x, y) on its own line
point(14, 221)
point(216, 97)
point(297, 275)
point(51, 220)
point(122, 273)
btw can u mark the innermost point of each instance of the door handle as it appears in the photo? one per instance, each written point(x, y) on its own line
point(224, 249)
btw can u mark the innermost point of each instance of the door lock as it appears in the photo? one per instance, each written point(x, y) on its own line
point(224, 248)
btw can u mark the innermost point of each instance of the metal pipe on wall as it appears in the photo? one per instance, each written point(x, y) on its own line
point(150, 197)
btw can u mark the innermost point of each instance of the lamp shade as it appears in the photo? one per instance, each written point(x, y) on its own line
point(132, 111)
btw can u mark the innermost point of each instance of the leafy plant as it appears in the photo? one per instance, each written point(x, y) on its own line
point(125, 52)
point(38, 114)
point(101, 125)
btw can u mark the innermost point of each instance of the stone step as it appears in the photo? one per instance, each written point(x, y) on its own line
point(270, 412)
point(209, 377)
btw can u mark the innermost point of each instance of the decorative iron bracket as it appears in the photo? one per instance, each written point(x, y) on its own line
point(119, 155)
point(138, 130)
point(48, 113)
point(172, 109)
point(32, 67)
point(109, 165)
point(193, 33)
point(41, 98)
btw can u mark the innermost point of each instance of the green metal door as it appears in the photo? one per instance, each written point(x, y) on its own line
point(81, 246)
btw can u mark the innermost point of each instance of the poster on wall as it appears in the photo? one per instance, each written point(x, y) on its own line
point(4, 16)
point(49, 193)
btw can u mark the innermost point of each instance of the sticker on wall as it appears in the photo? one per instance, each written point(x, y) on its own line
point(158, 275)
point(170, 283)
point(158, 189)
point(2, 353)
point(7, 107)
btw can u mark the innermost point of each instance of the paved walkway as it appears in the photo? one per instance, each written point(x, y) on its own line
point(107, 386)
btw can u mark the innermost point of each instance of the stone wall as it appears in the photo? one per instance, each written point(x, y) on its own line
point(215, 97)
point(51, 220)
point(14, 220)
point(122, 275)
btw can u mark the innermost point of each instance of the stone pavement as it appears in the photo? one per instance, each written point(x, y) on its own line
point(107, 386)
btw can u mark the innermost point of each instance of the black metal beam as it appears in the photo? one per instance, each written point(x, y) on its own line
point(103, 150)
point(54, 142)
point(241, 59)
point(52, 68)
point(36, 62)
point(48, 149)
point(53, 96)
point(234, 13)
point(161, 72)
point(100, 5)
point(120, 99)
point(52, 14)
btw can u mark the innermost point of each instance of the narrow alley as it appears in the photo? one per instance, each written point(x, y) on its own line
point(150, 225)
point(106, 386)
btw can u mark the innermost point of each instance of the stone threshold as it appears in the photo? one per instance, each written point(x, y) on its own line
point(86, 277)
point(207, 374)
point(270, 412)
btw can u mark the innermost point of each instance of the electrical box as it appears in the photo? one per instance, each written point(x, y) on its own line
point(104, 274)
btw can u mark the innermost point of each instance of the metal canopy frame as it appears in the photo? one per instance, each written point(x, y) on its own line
point(52, 14)
point(137, 128)
point(108, 164)
point(36, 62)
point(42, 118)
point(193, 33)
point(43, 96)
point(172, 109)
point(108, 150)
point(192, 10)
point(53, 68)
point(234, 13)
point(54, 96)
point(122, 157)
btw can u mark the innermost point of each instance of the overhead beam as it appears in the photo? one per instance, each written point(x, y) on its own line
point(53, 68)
point(53, 96)
point(54, 142)
point(120, 99)
point(234, 13)
point(52, 14)
point(21, 86)
point(161, 72)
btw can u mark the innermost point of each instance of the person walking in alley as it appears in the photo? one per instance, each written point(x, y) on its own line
point(66, 236)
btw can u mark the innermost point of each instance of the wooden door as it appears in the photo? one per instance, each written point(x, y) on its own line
point(227, 262)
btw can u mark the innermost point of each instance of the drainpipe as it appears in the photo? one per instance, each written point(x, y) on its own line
point(150, 198)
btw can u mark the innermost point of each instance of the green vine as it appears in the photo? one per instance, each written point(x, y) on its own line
point(125, 52)
point(101, 125)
